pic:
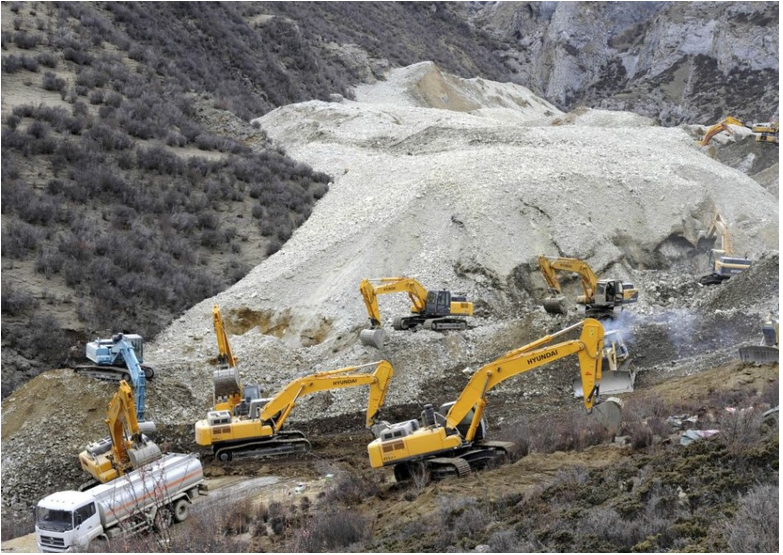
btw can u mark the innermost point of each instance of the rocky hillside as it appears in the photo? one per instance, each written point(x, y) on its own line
point(681, 62)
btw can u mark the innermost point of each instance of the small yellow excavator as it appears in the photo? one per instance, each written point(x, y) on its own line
point(126, 448)
point(453, 440)
point(723, 263)
point(766, 132)
point(434, 310)
point(254, 426)
point(599, 297)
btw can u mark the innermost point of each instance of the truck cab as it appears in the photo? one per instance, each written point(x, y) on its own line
point(66, 521)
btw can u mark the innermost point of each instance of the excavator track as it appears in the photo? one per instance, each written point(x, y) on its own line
point(284, 443)
point(445, 324)
point(443, 467)
point(511, 450)
point(712, 279)
point(112, 373)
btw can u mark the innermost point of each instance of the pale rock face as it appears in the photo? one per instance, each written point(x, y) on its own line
point(656, 58)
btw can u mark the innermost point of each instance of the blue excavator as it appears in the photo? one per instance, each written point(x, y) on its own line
point(120, 358)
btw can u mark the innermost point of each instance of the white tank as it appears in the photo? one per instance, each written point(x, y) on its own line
point(155, 483)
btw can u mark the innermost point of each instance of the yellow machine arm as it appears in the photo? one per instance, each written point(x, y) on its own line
point(719, 127)
point(721, 226)
point(121, 416)
point(580, 267)
point(416, 292)
point(282, 403)
point(225, 356)
point(589, 347)
point(128, 449)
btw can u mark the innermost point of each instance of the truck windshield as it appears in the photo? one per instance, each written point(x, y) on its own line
point(53, 519)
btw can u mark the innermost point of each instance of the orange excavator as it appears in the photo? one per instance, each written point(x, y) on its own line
point(766, 132)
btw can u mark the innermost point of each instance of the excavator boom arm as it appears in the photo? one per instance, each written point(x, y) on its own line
point(124, 347)
point(721, 226)
point(719, 127)
point(415, 290)
point(580, 267)
point(120, 415)
point(225, 356)
point(589, 346)
point(378, 381)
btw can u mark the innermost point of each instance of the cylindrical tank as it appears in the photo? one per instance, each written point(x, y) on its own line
point(153, 484)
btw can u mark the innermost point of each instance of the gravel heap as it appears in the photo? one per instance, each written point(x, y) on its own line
point(464, 201)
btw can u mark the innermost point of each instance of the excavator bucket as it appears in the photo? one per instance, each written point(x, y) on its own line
point(612, 382)
point(609, 414)
point(372, 338)
point(555, 305)
point(226, 382)
point(759, 354)
point(618, 376)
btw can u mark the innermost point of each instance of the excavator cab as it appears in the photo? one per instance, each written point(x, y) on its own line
point(462, 427)
point(438, 304)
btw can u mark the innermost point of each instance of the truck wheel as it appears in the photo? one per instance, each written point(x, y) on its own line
point(181, 510)
point(224, 456)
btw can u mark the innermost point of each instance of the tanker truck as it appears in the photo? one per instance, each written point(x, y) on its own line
point(148, 498)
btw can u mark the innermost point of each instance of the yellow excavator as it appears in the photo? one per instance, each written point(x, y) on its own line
point(723, 263)
point(434, 310)
point(126, 448)
point(254, 426)
point(453, 440)
point(599, 297)
point(229, 391)
point(766, 132)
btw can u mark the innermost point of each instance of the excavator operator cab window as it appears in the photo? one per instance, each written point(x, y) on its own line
point(444, 302)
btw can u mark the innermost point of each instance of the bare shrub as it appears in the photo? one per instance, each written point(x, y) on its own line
point(754, 528)
point(51, 82)
point(95, 97)
point(273, 246)
point(15, 301)
point(350, 489)
point(569, 431)
point(770, 394)
point(79, 57)
point(25, 40)
point(740, 428)
point(47, 59)
point(19, 239)
point(330, 532)
point(237, 519)
point(504, 541)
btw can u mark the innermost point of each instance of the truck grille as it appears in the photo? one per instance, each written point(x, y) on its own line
point(55, 542)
